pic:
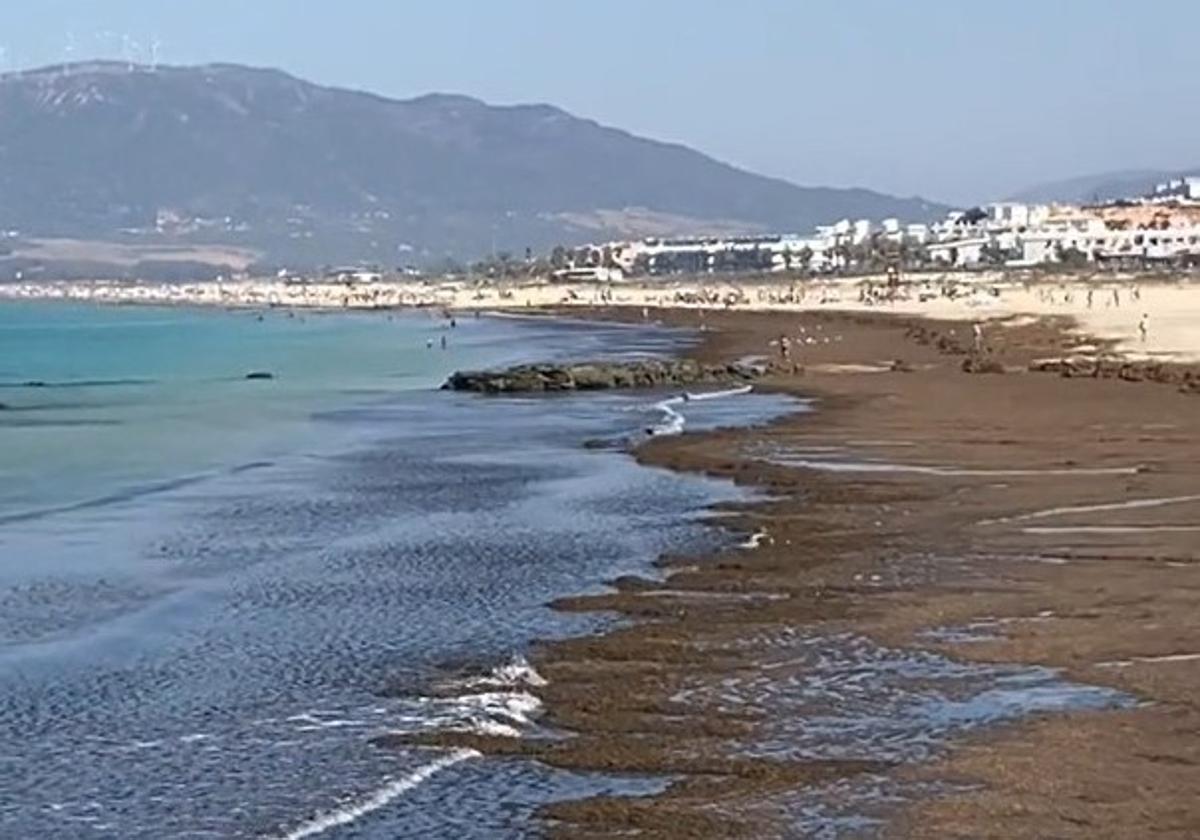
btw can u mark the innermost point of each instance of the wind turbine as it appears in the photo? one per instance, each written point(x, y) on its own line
point(129, 48)
point(68, 53)
point(155, 46)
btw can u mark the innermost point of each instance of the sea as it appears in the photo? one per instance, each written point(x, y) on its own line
point(216, 590)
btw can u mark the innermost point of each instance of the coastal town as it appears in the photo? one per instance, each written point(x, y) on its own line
point(1159, 229)
point(1121, 269)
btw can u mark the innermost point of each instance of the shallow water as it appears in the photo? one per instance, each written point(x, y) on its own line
point(843, 696)
point(202, 643)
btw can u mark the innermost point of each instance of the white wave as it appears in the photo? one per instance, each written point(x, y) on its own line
point(494, 729)
point(517, 671)
point(672, 422)
point(517, 706)
point(754, 540)
point(499, 703)
point(720, 395)
point(380, 798)
point(506, 713)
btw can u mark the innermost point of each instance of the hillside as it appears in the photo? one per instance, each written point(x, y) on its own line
point(1104, 186)
point(243, 157)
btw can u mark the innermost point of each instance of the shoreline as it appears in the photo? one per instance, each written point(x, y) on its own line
point(1112, 308)
point(898, 556)
point(982, 515)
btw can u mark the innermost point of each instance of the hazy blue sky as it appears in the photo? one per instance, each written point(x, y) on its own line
point(958, 101)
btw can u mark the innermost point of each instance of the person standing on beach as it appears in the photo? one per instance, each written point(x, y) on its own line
point(1144, 326)
point(977, 329)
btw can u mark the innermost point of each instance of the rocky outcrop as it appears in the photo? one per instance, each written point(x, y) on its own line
point(597, 376)
point(947, 344)
point(1188, 380)
point(980, 363)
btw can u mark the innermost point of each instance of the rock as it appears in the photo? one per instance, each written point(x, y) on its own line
point(901, 366)
point(747, 369)
point(950, 346)
point(981, 364)
point(592, 376)
point(1130, 373)
point(260, 374)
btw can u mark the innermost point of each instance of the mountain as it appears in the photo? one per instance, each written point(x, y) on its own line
point(1102, 187)
point(303, 174)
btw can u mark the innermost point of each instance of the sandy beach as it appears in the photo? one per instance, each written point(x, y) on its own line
point(1109, 307)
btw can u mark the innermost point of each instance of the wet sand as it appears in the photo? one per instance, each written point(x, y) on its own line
point(927, 536)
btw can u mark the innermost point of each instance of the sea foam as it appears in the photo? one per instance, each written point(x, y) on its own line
point(380, 798)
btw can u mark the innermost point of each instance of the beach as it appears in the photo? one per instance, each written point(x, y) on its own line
point(1109, 306)
point(1040, 528)
point(957, 598)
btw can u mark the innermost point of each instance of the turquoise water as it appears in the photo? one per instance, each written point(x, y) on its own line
point(216, 593)
point(128, 397)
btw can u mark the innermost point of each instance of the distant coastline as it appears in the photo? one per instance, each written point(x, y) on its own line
point(1146, 317)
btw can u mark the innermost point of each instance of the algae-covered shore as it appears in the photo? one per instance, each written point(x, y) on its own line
point(966, 605)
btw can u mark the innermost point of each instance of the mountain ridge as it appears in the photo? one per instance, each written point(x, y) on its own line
point(308, 173)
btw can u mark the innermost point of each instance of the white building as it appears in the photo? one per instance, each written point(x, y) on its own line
point(1187, 189)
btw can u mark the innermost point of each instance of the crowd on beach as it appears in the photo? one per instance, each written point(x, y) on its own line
point(1109, 305)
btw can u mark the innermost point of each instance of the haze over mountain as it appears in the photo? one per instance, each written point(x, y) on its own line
point(1104, 186)
point(305, 174)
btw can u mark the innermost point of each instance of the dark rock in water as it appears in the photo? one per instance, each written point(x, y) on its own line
point(34, 383)
point(611, 444)
point(260, 374)
point(594, 376)
point(3, 406)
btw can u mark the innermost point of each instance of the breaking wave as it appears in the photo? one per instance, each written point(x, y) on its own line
point(500, 703)
point(380, 798)
point(673, 421)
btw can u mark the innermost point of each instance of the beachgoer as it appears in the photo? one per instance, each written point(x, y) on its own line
point(443, 342)
point(1144, 326)
point(977, 328)
point(429, 344)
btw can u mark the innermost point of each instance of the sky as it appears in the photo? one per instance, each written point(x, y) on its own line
point(955, 101)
